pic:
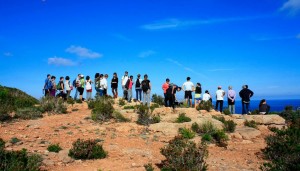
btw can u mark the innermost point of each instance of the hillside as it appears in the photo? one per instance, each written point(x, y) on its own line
point(130, 145)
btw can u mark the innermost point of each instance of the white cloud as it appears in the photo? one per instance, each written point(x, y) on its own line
point(174, 62)
point(186, 68)
point(220, 69)
point(292, 6)
point(83, 52)
point(175, 23)
point(61, 61)
point(146, 54)
point(7, 54)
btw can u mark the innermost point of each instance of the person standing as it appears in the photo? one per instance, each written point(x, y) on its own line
point(165, 86)
point(220, 98)
point(198, 92)
point(124, 81)
point(80, 86)
point(102, 85)
point(188, 88)
point(138, 88)
point(231, 95)
point(146, 87)
point(245, 95)
point(53, 85)
point(47, 85)
point(68, 86)
point(114, 85)
point(76, 86)
point(88, 87)
point(97, 84)
point(128, 87)
point(61, 88)
point(106, 86)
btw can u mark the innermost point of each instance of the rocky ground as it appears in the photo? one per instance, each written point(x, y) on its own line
point(129, 145)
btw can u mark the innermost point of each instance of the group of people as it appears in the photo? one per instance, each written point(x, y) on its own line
point(64, 88)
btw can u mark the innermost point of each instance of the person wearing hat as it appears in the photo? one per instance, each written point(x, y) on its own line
point(138, 88)
point(231, 99)
point(220, 98)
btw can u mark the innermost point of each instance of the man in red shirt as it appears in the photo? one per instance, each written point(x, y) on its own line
point(165, 86)
point(128, 86)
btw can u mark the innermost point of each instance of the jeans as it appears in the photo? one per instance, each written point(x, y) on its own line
point(114, 92)
point(129, 91)
point(138, 93)
point(76, 94)
point(166, 100)
point(221, 105)
point(97, 91)
point(124, 92)
point(245, 108)
point(101, 92)
point(146, 97)
point(88, 95)
point(231, 109)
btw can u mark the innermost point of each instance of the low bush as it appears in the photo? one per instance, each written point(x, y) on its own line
point(158, 99)
point(87, 149)
point(4, 117)
point(53, 105)
point(14, 140)
point(91, 104)
point(290, 115)
point(70, 101)
point(149, 167)
point(28, 113)
point(252, 124)
point(226, 111)
point(18, 160)
point(207, 127)
point(255, 112)
point(195, 127)
point(78, 101)
point(54, 148)
point(182, 118)
point(121, 102)
point(186, 133)
point(219, 118)
point(119, 117)
point(103, 109)
point(153, 106)
point(229, 126)
point(182, 154)
point(129, 107)
point(144, 117)
point(283, 149)
point(206, 138)
point(220, 137)
point(205, 105)
point(155, 118)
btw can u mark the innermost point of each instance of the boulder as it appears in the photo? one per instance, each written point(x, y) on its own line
point(248, 133)
point(266, 119)
point(64, 157)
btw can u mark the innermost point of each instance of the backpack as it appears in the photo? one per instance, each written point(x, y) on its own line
point(58, 87)
point(138, 84)
point(145, 85)
point(74, 83)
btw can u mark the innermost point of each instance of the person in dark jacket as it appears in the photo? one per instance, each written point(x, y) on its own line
point(264, 108)
point(245, 95)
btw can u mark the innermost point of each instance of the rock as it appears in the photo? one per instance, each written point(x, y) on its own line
point(236, 135)
point(21, 128)
point(42, 145)
point(48, 162)
point(266, 119)
point(248, 133)
point(247, 142)
point(162, 111)
point(19, 143)
point(63, 156)
point(8, 144)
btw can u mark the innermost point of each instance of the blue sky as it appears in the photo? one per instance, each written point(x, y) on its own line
point(215, 42)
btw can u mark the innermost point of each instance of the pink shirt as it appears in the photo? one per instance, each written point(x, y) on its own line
point(130, 84)
point(165, 86)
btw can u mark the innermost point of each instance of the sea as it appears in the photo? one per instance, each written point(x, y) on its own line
point(276, 105)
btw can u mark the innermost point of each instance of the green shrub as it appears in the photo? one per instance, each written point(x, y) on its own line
point(226, 111)
point(153, 106)
point(121, 102)
point(206, 138)
point(220, 137)
point(229, 126)
point(54, 148)
point(91, 104)
point(103, 109)
point(283, 149)
point(14, 140)
point(129, 107)
point(78, 101)
point(149, 167)
point(255, 112)
point(70, 101)
point(87, 149)
point(182, 118)
point(205, 105)
point(195, 127)
point(28, 113)
point(207, 127)
point(4, 117)
point(144, 117)
point(158, 99)
point(119, 117)
point(182, 154)
point(186, 133)
point(219, 118)
point(53, 105)
point(18, 160)
point(290, 116)
point(252, 124)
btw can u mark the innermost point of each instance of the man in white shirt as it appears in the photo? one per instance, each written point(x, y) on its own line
point(220, 98)
point(188, 88)
point(123, 82)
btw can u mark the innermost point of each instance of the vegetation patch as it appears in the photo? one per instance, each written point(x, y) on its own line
point(252, 124)
point(186, 133)
point(119, 117)
point(54, 148)
point(103, 109)
point(53, 105)
point(149, 167)
point(28, 113)
point(144, 117)
point(121, 102)
point(205, 105)
point(182, 118)
point(129, 107)
point(229, 126)
point(158, 99)
point(226, 111)
point(182, 154)
point(87, 149)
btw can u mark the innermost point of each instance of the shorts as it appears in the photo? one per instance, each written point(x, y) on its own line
point(198, 97)
point(188, 95)
point(80, 89)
